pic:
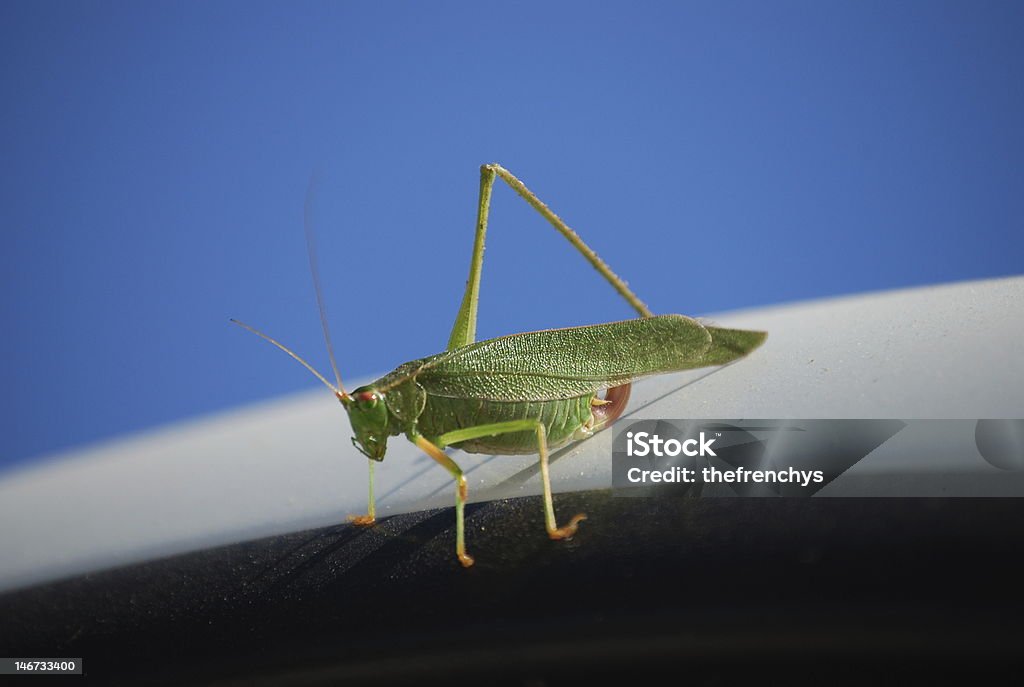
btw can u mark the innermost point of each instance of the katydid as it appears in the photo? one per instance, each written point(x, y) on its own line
point(522, 393)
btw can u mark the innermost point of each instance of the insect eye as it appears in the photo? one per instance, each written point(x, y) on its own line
point(367, 398)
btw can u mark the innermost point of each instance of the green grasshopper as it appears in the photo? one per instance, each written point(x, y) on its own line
point(523, 393)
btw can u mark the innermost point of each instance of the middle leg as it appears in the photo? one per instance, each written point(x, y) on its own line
point(498, 428)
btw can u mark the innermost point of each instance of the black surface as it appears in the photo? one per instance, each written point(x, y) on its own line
point(713, 590)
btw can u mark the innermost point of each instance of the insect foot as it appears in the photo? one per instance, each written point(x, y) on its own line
point(569, 530)
point(362, 520)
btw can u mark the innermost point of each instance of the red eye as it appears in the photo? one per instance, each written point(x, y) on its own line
point(365, 396)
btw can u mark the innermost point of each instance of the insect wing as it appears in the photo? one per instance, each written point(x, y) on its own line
point(565, 363)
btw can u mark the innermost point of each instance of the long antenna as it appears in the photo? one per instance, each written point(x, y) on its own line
point(257, 332)
point(307, 222)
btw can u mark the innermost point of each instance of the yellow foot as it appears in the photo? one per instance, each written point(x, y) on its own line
point(362, 520)
point(570, 529)
point(466, 560)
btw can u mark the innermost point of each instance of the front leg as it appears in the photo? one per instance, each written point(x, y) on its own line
point(371, 512)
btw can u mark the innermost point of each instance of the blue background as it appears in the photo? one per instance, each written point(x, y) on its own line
point(719, 155)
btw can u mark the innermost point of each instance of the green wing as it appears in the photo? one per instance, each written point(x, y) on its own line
point(565, 363)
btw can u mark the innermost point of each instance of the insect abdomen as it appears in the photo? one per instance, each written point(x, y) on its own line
point(561, 418)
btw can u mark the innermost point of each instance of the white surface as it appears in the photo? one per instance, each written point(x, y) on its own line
point(950, 351)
